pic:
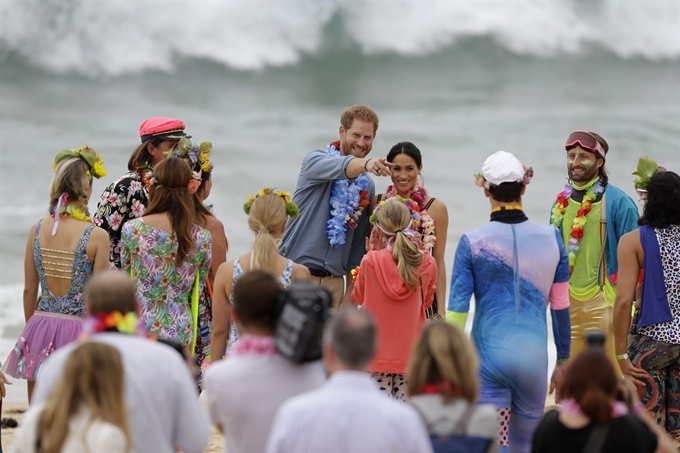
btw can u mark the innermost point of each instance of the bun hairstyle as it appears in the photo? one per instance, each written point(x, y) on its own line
point(590, 380)
point(444, 357)
point(71, 177)
point(394, 220)
point(168, 195)
point(268, 213)
point(407, 148)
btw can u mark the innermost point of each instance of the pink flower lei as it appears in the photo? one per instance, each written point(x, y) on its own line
point(426, 227)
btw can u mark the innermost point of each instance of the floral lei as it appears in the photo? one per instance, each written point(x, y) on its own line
point(63, 208)
point(592, 190)
point(425, 224)
point(348, 201)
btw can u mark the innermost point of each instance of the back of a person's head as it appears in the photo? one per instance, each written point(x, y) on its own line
point(445, 358)
point(93, 378)
point(168, 195)
point(662, 208)
point(110, 291)
point(256, 294)
point(590, 380)
point(267, 216)
point(395, 221)
point(351, 334)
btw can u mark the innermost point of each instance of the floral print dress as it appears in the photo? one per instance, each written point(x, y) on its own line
point(164, 289)
point(123, 200)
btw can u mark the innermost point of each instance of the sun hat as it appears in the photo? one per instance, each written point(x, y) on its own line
point(162, 128)
point(501, 167)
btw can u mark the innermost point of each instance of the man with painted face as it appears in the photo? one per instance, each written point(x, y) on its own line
point(591, 215)
point(333, 193)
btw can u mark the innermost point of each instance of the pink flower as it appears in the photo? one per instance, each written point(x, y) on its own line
point(115, 221)
point(114, 199)
point(193, 186)
point(138, 208)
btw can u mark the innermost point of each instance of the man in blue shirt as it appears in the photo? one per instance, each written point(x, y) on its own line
point(333, 193)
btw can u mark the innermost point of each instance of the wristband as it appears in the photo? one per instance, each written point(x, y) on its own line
point(623, 356)
point(366, 163)
point(563, 360)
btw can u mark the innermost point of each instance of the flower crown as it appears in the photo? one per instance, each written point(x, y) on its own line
point(198, 158)
point(291, 208)
point(646, 168)
point(93, 158)
point(480, 181)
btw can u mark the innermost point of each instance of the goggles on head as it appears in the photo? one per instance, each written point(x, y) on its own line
point(585, 140)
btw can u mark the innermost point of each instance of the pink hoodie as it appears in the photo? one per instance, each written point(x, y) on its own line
point(399, 312)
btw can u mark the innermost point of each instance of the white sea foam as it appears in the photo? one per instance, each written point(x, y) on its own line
point(128, 36)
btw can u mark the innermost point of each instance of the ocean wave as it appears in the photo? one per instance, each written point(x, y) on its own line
point(131, 36)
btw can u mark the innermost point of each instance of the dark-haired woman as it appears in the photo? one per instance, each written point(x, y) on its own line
point(168, 254)
point(590, 410)
point(650, 356)
point(63, 250)
point(128, 197)
point(406, 183)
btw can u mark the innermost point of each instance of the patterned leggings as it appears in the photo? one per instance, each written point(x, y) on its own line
point(661, 394)
point(394, 385)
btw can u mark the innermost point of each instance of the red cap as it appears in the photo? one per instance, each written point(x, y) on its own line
point(163, 128)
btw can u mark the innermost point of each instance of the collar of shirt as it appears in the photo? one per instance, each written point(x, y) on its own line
point(353, 379)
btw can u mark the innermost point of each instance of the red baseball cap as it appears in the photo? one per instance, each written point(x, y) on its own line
point(162, 128)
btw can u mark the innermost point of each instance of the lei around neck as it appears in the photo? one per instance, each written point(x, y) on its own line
point(347, 203)
point(592, 189)
point(425, 224)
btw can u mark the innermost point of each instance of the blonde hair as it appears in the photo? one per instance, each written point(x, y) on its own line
point(393, 217)
point(93, 378)
point(267, 215)
point(444, 357)
point(71, 176)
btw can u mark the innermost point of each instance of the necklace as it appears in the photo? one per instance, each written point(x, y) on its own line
point(347, 203)
point(510, 207)
point(425, 223)
point(593, 188)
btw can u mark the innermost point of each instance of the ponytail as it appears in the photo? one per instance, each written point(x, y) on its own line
point(597, 405)
point(408, 259)
point(265, 249)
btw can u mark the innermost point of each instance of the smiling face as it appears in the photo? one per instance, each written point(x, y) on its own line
point(583, 166)
point(404, 173)
point(357, 141)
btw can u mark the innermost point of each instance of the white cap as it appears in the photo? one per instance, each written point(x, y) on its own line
point(502, 167)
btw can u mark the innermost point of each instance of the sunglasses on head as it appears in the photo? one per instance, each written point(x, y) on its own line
point(585, 140)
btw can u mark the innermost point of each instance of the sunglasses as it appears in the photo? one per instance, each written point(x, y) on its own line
point(585, 140)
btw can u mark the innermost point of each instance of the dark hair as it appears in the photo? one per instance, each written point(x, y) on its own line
point(168, 195)
point(202, 212)
point(407, 148)
point(663, 201)
point(255, 296)
point(351, 335)
point(604, 174)
point(140, 156)
point(591, 381)
point(506, 192)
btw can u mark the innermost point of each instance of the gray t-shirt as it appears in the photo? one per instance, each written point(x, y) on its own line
point(306, 240)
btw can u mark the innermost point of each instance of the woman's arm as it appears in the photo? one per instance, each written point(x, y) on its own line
point(220, 245)
point(630, 258)
point(299, 273)
point(440, 215)
point(102, 246)
point(221, 310)
point(31, 280)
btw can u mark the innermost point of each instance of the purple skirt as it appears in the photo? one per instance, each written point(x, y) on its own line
point(44, 332)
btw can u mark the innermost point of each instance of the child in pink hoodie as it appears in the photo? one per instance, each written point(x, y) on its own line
point(395, 284)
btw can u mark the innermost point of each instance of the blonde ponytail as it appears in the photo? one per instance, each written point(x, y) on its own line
point(394, 217)
point(267, 215)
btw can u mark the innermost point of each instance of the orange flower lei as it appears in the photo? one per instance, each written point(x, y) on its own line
point(592, 190)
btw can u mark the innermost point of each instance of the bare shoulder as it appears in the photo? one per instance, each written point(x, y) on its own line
point(226, 269)
point(99, 234)
point(214, 225)
point(438, 209)
point(630, 239)
point(300, 272)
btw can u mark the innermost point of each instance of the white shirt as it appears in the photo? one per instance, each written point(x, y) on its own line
point(160, 394)
point(347, 414)
point(245, 391)
point(85, 435)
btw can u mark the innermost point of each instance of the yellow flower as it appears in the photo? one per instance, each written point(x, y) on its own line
point(205, 166)
point(250, 199)
point(203, 157)
point(99, 169)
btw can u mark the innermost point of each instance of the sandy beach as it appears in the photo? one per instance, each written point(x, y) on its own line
point(16, 411)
